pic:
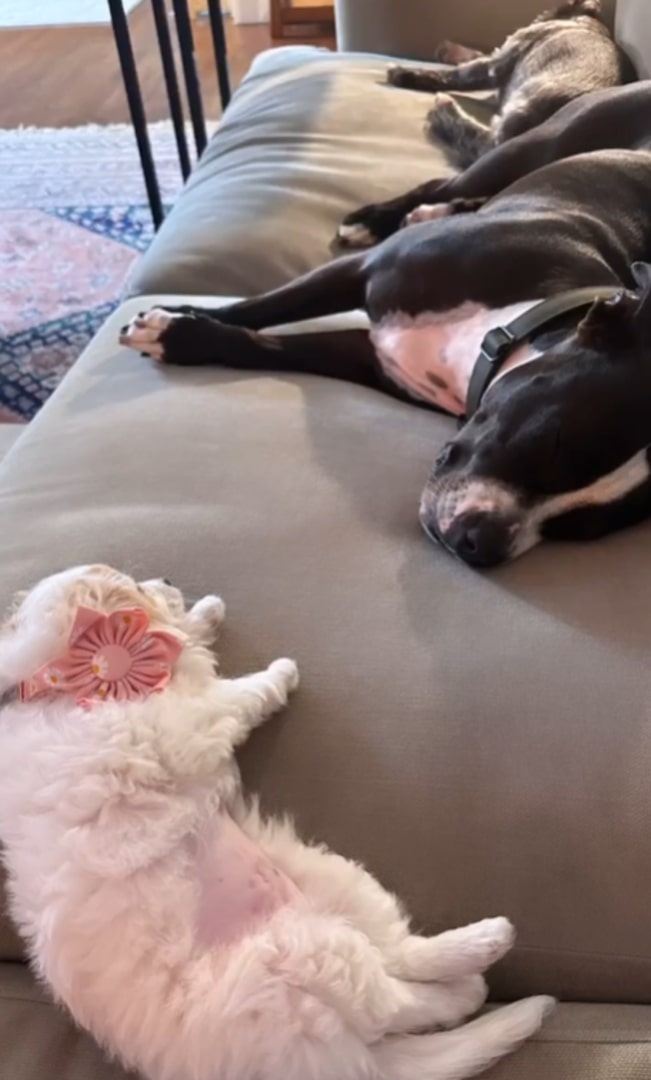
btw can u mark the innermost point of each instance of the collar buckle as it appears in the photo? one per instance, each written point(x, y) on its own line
point(497, 344)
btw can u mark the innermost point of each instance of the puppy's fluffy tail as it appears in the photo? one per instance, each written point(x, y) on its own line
point(464, 1052)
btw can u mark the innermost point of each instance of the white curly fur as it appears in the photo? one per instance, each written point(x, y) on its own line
point(102, 814)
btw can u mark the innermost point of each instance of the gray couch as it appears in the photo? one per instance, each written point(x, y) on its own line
point(481, 742)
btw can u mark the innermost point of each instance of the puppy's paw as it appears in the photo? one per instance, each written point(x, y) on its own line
point(145, 333)
point(211, 610)
point(489, 940)
point(287, 671)
point(427, 212)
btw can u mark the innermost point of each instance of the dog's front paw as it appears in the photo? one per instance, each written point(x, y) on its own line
point(369, 225)
point(176, 337)
point(397, 75)
point(146, 332)
point(210, 610)
point(287, 671)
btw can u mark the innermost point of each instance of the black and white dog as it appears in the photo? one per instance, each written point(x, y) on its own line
point(540, 68)
point(558, 397)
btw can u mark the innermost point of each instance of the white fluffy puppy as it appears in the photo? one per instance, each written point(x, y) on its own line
point(193, 939)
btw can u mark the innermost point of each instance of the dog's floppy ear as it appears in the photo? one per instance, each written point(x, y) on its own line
point(623, 321)
point(610, 322)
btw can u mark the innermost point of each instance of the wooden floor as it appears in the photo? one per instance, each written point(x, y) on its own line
point(66, 76)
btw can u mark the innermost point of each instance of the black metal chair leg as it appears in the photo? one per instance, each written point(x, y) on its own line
point(192, 84)
point(136, 108)
point(171, 84)
point(219, 46)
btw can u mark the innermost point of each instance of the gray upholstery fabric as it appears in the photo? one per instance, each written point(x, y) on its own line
point(309, 136)
point(634, 32)
point(8, 435)
point(414, 27)
point(578, 1043)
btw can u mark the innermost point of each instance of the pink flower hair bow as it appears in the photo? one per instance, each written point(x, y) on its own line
point(112, 657)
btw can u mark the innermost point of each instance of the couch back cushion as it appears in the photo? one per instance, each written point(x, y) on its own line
point(633, 27)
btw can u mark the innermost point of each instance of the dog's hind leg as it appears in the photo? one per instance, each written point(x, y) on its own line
point(465, 1052)
point(338, 886)
point(452, 954)
point(336, 287)
point(331, 960)
point(466, 138)
point(426, 1006)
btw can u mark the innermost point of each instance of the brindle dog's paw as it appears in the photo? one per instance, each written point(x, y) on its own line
point(443, 119)
point(164, 336)
point(397, 75)
point(370, 225)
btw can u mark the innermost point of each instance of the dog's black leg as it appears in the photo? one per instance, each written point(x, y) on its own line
point(338, 286)
point(199, 340)
point(372, 224)
point(476, 74)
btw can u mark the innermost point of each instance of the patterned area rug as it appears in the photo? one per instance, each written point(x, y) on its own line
point(73, 217)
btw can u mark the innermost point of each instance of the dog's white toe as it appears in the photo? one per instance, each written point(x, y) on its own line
point(427, 212)
point(144, 332)
point(355, 236)
point(492, 938)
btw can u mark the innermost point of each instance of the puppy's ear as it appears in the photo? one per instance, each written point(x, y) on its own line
point(610, 322)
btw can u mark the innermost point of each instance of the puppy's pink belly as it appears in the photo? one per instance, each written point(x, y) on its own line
point(239, 887)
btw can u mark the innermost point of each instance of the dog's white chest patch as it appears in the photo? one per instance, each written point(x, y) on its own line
point(239, 888)
point(431, 356)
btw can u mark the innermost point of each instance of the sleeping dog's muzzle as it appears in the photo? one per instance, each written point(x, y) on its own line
point(558, 446)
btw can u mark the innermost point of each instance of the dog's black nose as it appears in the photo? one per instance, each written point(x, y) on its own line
point(479, 539)
point(166, 581)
